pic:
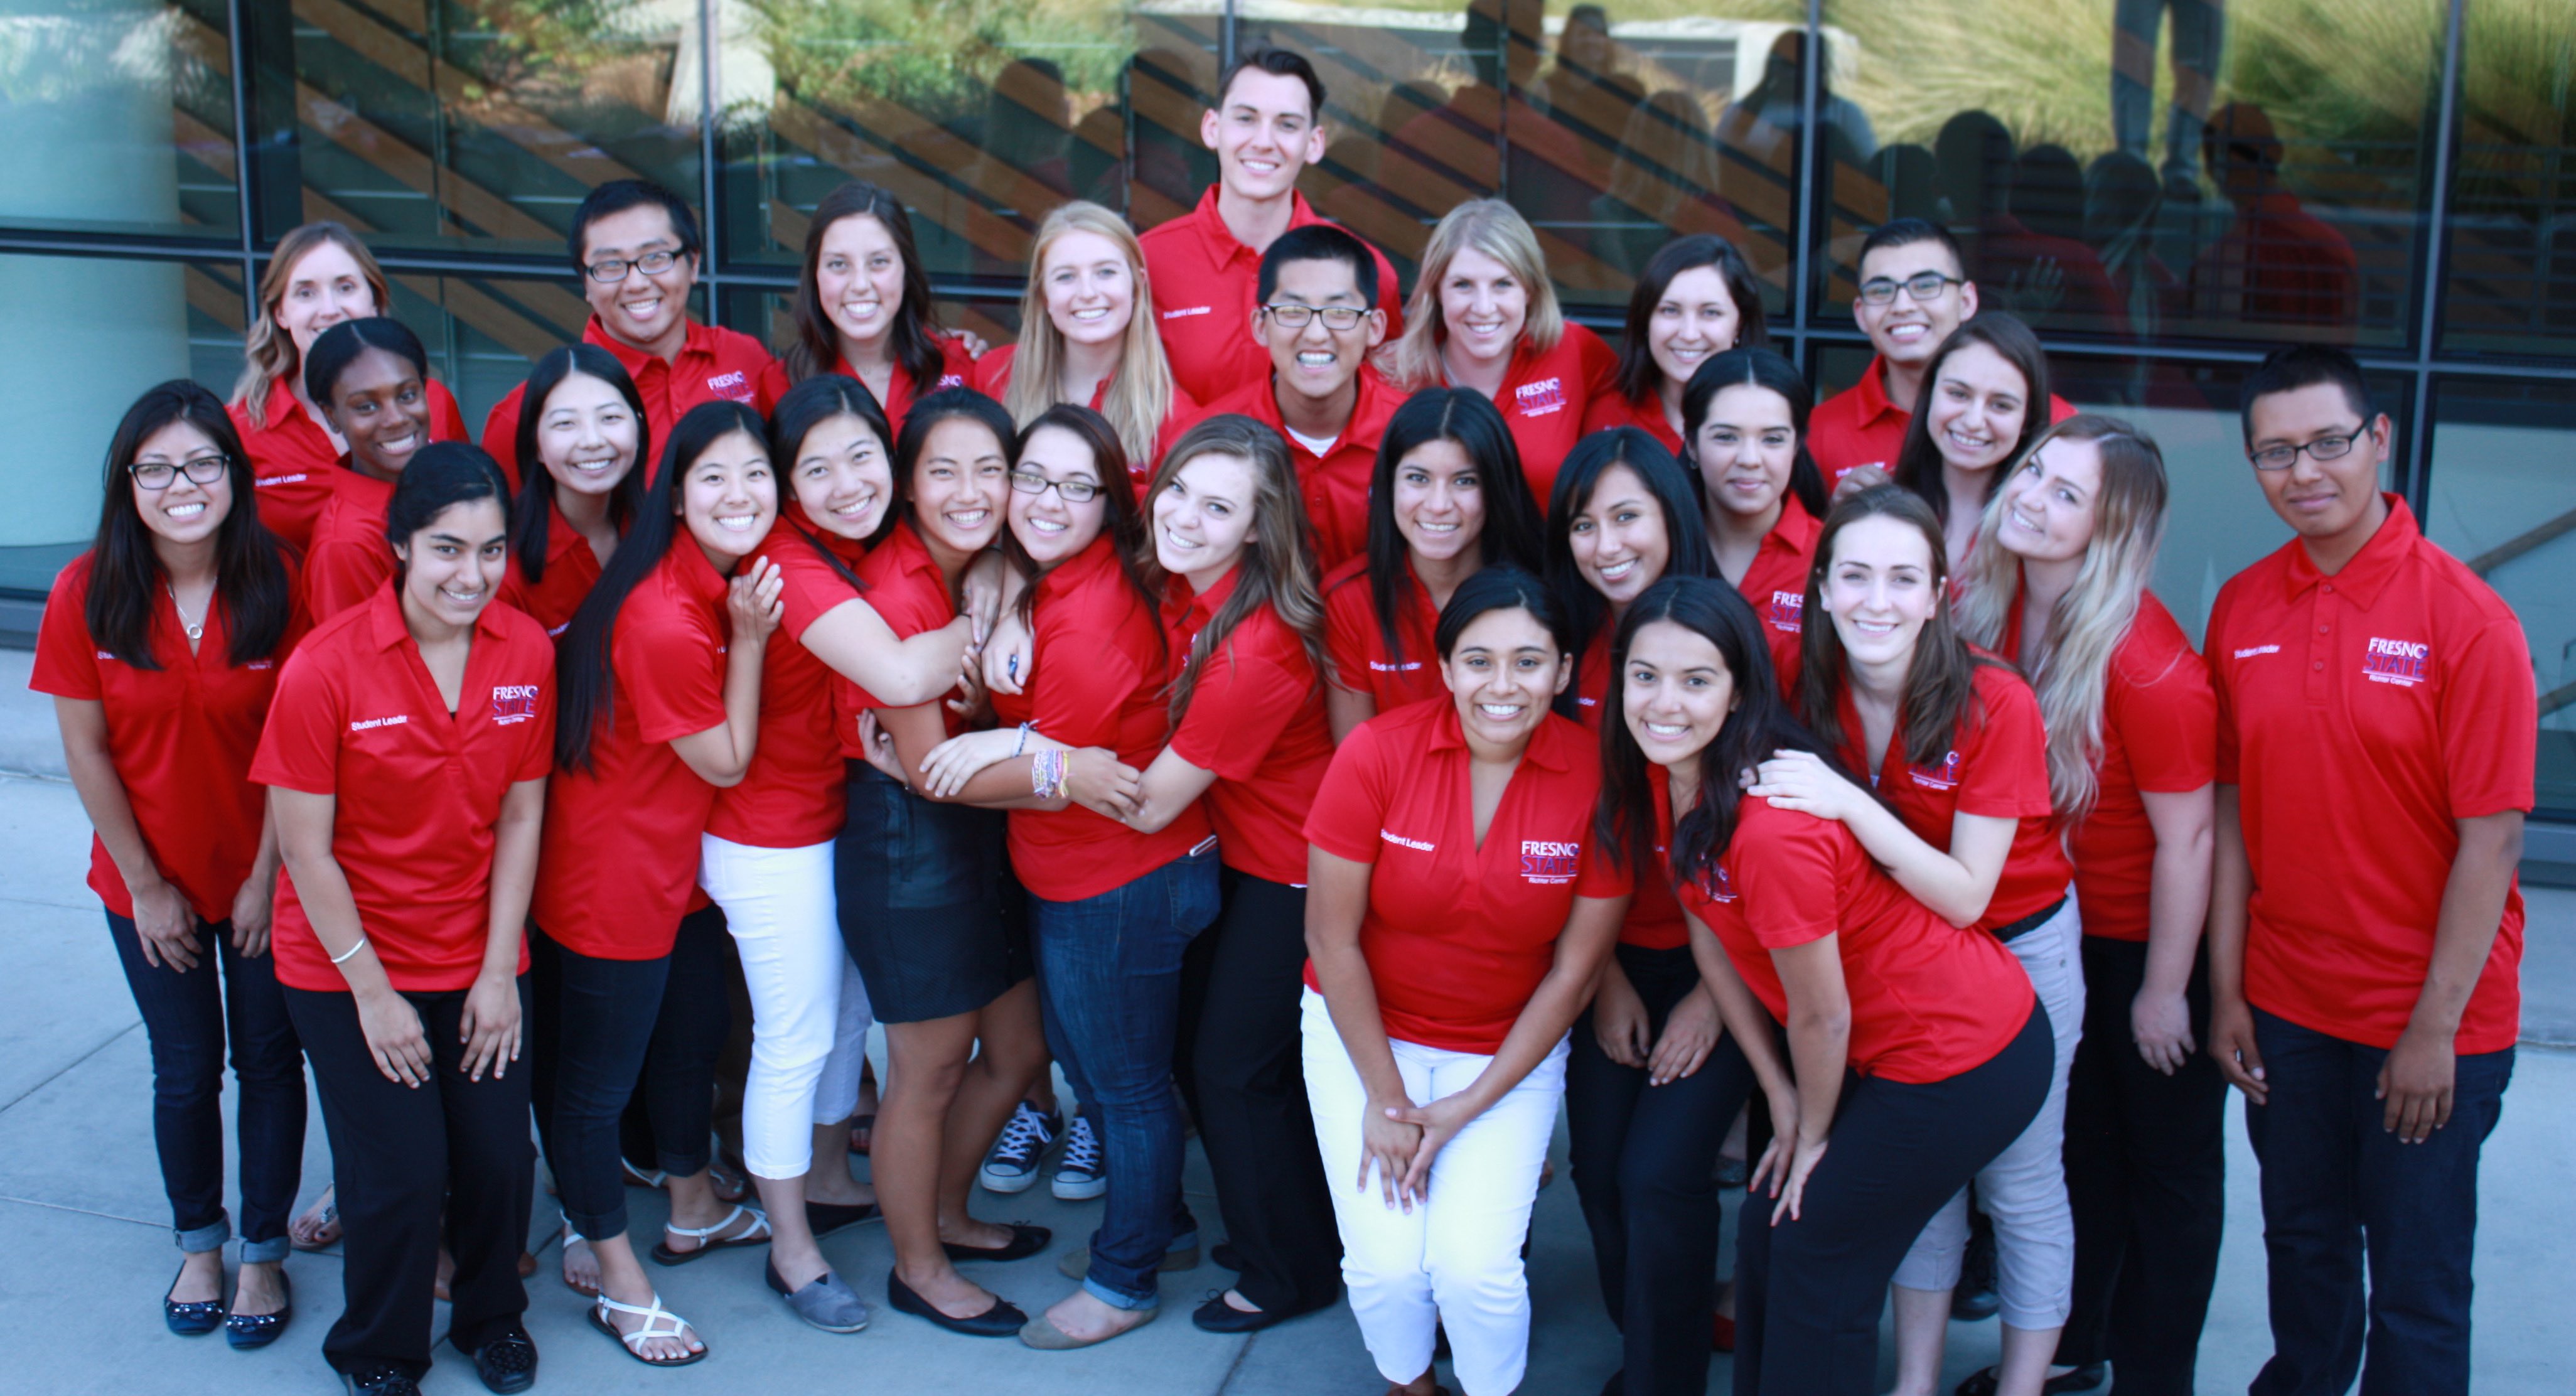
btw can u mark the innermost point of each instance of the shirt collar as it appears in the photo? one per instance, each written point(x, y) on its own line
point(634, 360)
point(386, 628)
point(1874, 402)
point(1223, 247)
point(2370, 570)
point(688, 566)
point(1193, 610)
point(1098, 556)
point(1550, 746)
point(1795, 530)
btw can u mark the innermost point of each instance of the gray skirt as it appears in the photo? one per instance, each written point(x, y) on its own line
point(928, 905)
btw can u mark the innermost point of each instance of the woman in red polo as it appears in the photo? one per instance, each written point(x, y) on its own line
point(863, 306)
point(161, 646)
point(1447, 498)
point(589, 432)
point(321, 275)
point(1985, 400)
point(1484, 316)
point(2058, 584)
point(1696, 299)
point(370, 377)
point(1746, 415)
point(406, 756)
point(1959, 811)
point(1460, 909)
point(1913, 1050)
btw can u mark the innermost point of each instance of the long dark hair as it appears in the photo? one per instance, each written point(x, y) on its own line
point(586, 681)
point(125, 572)
point(1501, 587)
point(1122, 521)
point(1759, 725)
point(1940, 683)
point(339, 346)
point(1918, 462)
point(443, 475)
point(928, 413)
point(809, 405)
point(1685, 532)
point(1277, 566)
point(1759, 368)
point(1637, 372)
point(530, 529)
point(1510, 534)
point(915, 337)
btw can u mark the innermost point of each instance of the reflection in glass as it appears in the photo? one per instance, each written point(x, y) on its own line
point(118, 115)
point(2513, 205)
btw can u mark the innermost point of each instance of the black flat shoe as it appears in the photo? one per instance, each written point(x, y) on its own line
point(250, 1332)
point(1988, 1380)
point(1218, 1316)
point(1003, 1320)
point(824, 1218)
point(193, 1319)
point(506, 1364)
point(1026, 1241)
point(380, 1381)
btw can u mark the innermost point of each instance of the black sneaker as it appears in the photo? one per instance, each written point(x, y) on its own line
point(1012, 1166)
point(1083, 1173)
point(378, 1381)
point(507, 1363)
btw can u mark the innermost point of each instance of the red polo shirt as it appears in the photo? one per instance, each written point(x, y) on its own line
point(1654, 918)
point(713, 365)
point(1997, 766)
point(1928, 1000)
point(349, 559)
point(2160, 734)
point(1356, 643)
point(620, 857)
point(1458, 935)
point(1860, 426)
point(181, 738)
point(993, 380)
point(796, 793)
point(2361, 716)
point(294, 466)
point(1545, 398)
point(1098, 681)
point(571, 570)
point(1646, 414)
point(1206, 282)
point(911, 595)
point(419, 788)
point(1776, 580)
point(956, 370)
point(1334, 485)
point(1256, 718)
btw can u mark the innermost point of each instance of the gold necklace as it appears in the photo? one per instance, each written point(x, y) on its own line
point(196, 629)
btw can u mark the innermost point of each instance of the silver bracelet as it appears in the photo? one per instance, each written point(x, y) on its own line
point(1023, 743)
point(352, 950)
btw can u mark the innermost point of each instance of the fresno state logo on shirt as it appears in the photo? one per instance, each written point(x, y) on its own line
point(732, 387)
point(1539, 398)
point(2402, 662)
point(513, 703)
point(1550, 863)
point(1942, 777)
point(946, 381)
point(1715, 884)
point(1785, 611)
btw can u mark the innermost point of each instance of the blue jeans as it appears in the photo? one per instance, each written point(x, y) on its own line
point(2332, 1176)
point(1110, 967)
point(189, 1018)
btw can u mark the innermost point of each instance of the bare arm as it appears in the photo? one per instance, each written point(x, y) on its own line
point(1820, 1046)
point(721, 755)
point(1957, 883)
point(255, 901)
point(1169, 786)
point(2231, 888)
point(855, 642)
point(2177, 906)
point(162, 920)
point(490, 1028)
point(1337, 891)
point(1346, 710)
point(387, 1019)
point(2417, 1078)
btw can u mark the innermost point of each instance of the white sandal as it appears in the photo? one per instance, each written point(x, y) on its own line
point(653, 1314)
point(706, 1238)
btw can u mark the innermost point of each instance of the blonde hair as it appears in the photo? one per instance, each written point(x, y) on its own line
point(1140, 395)
point(1496, 229)
point(2073, 673)
point(1277, 568)
point(268, 352)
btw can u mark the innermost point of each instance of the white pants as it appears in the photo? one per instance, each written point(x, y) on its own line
point(809, 1012)
point(2024, 1189)
point(1454, 1260)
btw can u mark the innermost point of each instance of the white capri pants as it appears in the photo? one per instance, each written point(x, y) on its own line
point(2024, 1189)
point(809, 1012)
point(1454, 1260)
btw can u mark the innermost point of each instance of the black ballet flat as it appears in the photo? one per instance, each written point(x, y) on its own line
point(379, 1381)
point(824, 1218)
point(1026, 1241)
point(194, 1319)
point(251, 1332)
point(1003, 1320)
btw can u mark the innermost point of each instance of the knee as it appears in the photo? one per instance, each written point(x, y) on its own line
point(1490, 1277)
point(1667, 1186)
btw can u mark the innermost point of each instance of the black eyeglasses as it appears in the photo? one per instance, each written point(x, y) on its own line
point(161, 474)
point(1922, 286)
point(1074, 491)
point(2324, 448)
point(613, 270)
point(1298, 317)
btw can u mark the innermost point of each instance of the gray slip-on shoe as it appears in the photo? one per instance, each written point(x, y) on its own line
point(824, 1302)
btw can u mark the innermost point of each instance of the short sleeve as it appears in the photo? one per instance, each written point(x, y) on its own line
point(447, 420)
point(672, 674)
point(299, 748)
point(501, 434)
point(2214, 642)
point(1788, 879)
point(341, 574)
point(1600, 368)
point(1347, 620)
point(2490, 718)
point(2168, 723)
point(2005, 774)
point(808, 588)
point(66, 654)
point(1350, 806)
point(1601, 875)
point(537, 739)
point(1239, 707)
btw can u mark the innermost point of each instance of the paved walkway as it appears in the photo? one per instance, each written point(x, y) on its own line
point(81, 1206)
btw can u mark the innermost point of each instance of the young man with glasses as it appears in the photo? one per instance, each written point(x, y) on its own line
point(1266, 128)
point(635, 246)
point(1314, 315)
point(2376, 734)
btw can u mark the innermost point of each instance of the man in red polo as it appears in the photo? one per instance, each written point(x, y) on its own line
point(635, 245)
point(1266, 128)
point(2376, 733)
point(1914, 290)
point(1317, 321)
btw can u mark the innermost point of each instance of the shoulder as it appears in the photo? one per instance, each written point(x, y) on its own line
point(1351, 575)
point(1170, 237)
point(337, 642)
point(731, 344)
point(522, 638)
point(71, 585)
point(1841, 408)
point(2155, 647)
point(954, 361)
point(1245, 399)
point(993, 371)
point(2003, 695)
point(2462, 596)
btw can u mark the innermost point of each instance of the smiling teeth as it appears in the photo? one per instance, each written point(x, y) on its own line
point(1316, 358)
point(1668, 729)
point(185, 511)
point(1500, 711)
point(737, 523)
point(1616, 571)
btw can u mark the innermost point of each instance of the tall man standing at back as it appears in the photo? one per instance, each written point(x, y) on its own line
point(635, 247)
point(1266, 128)
point(2376, 732)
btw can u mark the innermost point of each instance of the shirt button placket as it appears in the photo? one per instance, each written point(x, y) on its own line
point(2321, 644)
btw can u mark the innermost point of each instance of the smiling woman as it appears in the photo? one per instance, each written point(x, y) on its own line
point(371, 378)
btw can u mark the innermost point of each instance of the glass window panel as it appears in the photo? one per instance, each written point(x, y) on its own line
point(2502, 499)
point(482, 333)
point(2513, 206)
point(2245, 170)
point(979, 116)
point(118, 116)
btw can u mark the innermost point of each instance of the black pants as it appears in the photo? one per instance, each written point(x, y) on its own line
point(669, 1120)
point(1247, 1066)
point(1645, 1169)
point(2146, 1173)
point(399, 1156)
point(1808, 1292)
point(189, 1017)
point(594, 1019)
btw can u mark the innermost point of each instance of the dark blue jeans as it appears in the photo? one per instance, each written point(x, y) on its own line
point(2331, 1178)
point(1110, 968)
point(189, 1018)
point(593, 1020)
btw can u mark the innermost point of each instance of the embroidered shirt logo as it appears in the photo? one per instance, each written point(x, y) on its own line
point(1187, 310)
point(1539, 398)
point(1716, 884)
point(366, 724)
point(949, 380)
point(1401, 841)
point(1380, 666)
point(2402, 662)
point(1786, 610)
point(1942, 777)
point(1549, 862)
point(733, 387)
point(2252, 650)
point(264, 481)
point(513, 703)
